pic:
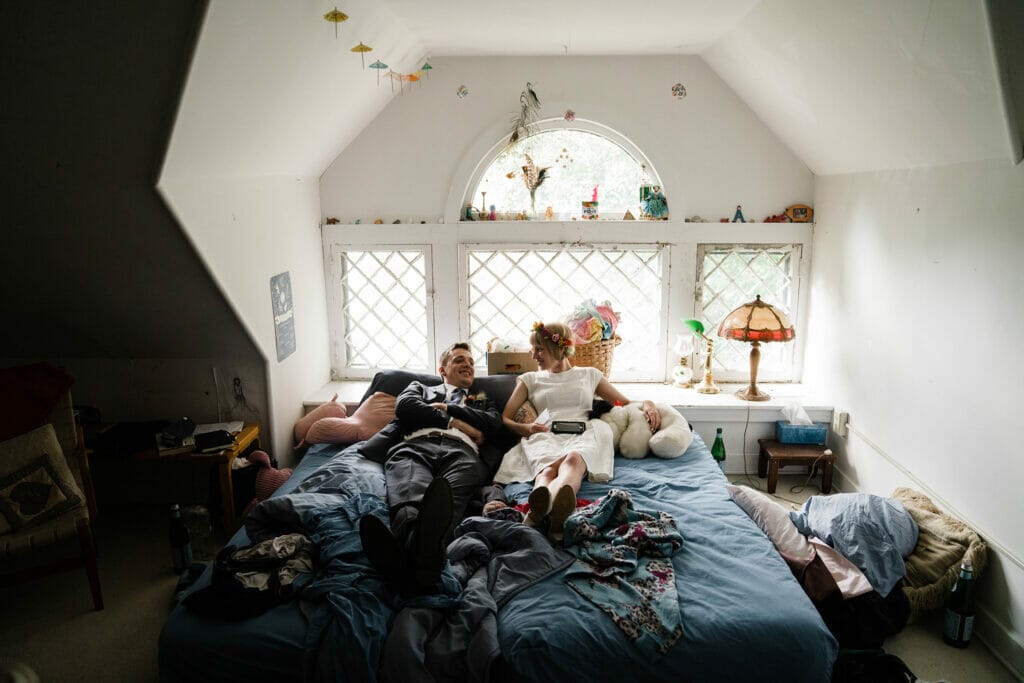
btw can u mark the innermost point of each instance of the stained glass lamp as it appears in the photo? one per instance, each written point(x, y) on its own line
point(756, 322)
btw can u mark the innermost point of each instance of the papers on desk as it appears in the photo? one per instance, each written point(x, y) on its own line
point(231, 427)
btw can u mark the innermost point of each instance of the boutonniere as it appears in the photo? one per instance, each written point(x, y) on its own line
point(477, 398)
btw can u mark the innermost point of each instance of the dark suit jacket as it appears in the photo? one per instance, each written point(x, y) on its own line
point(413, 411)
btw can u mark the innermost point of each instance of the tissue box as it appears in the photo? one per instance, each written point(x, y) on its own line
point(788, 433)
point(510, 362)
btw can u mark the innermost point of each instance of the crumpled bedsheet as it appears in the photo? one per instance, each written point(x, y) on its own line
point(873, 532)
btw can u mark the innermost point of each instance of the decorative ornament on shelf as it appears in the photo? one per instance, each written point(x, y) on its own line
point(682, 374)
point(738, 216)
point(533, 178)
point(377, 66)
point(800, 213)
point(756, 322)
point(707, 385)
point(590, 212)
point(570, 115)
point(335, 16)
point(679, 91)
point(461, 92)
point(653, 205)
point(362, 50)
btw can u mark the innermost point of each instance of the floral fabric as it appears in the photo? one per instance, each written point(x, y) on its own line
point(624, 566)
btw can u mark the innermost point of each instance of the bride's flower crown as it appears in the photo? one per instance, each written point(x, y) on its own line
point(553, 337)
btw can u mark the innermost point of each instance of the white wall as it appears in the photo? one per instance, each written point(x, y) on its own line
point(709, 149)
point(247, 230)
point(915, 316)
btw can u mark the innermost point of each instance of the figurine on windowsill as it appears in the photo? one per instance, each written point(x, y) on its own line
point(738, 217)
point(653, 203)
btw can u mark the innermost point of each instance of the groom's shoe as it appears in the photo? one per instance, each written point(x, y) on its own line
point(432, 527)
point(386, 554)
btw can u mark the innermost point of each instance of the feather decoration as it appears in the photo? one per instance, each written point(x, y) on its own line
point(525, 121)
point(533, 178)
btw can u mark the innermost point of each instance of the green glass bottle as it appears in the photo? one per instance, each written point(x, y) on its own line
point(960, 609)
point(718, 449)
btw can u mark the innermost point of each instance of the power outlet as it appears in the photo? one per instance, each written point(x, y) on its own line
point(840, 422)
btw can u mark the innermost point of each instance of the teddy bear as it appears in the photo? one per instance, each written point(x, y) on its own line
point(632, 435)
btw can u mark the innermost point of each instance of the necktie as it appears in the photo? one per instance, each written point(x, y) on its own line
point(458, 394)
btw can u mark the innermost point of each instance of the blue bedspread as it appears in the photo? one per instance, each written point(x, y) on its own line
point(744, 618)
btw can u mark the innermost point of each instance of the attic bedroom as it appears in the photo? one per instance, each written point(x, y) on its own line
point(171, 161)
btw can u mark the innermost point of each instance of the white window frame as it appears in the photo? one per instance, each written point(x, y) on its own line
point(335, 304)
point(765, 374)
point(448, 288)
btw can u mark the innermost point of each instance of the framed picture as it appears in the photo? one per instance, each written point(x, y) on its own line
point(284, 316)
point(800, 213)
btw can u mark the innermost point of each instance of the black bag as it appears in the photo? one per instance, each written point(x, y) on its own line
point(216, 440)
point(174, 434)
point(870, 666)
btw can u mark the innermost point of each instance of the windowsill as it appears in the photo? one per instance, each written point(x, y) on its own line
point(724, 406)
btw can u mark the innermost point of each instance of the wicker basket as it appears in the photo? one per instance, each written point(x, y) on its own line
point(597, 355)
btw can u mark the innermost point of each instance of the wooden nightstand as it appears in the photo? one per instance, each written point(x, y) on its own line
point(245, 440)
point(773, 455)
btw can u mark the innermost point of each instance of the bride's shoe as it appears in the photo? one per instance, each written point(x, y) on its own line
point(540, 505)
point(561, 508)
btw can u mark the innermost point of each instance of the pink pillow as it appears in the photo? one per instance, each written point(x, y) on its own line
point(330, 409)
point(376, 412)
point(774, 522)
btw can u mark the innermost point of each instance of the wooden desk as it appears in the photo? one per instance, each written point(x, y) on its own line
point(248, 438)
point(773, 455)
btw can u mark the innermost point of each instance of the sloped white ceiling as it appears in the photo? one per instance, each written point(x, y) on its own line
point(860, 86)
point(272, 92)
point(848, 86)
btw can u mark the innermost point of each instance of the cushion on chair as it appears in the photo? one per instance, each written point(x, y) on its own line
point(36, 484)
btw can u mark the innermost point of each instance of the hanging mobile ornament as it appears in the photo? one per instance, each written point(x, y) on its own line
point(377, 66)
point(462, 92)
point(426, 68)
point(362, 50)
point(335, 16)
point(679, 91)
point(412, 78)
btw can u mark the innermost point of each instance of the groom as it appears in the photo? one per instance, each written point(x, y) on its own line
point(430, 473)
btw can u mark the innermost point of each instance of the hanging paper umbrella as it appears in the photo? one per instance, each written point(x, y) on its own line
point(377, 66)
point(394, 77)
point(412, 78)
point(426, 68)
point(362, 50)
point(335, 16)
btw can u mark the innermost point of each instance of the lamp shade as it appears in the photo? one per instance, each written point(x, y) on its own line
point(756, 322)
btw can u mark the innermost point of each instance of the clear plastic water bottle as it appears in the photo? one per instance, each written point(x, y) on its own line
point(718, 449)
point(181, 544)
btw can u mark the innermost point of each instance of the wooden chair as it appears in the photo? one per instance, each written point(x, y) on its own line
point(38, 550)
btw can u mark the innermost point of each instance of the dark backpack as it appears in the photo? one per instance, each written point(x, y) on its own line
point(870, 666)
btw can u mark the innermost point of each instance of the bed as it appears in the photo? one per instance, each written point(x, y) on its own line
point(744, 616)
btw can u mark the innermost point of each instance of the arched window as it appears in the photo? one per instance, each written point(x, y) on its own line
point(564, 166)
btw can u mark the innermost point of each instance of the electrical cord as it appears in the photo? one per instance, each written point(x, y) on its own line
point(796, 489)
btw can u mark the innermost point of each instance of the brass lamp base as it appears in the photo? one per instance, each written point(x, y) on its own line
point(708, 386)
point(752, 393)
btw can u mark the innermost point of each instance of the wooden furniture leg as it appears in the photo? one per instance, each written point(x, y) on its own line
point(773, 474)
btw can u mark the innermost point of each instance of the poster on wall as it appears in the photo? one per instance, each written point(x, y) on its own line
point(284, 316)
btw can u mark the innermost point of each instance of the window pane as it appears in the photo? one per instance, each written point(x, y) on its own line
point(576, 161)
point(731, 275)
point(512, 287)
point(384, 295)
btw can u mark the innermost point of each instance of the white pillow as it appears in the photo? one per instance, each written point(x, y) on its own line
point(774, 521)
